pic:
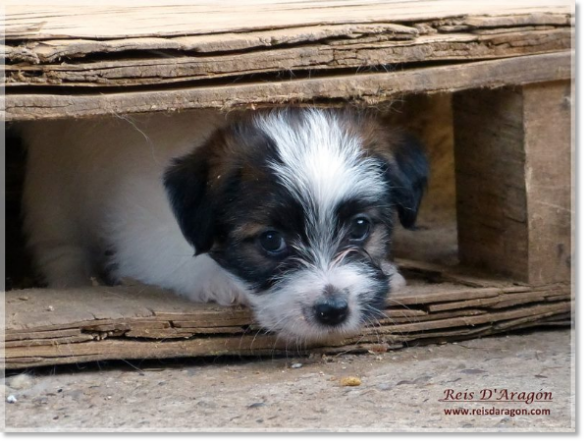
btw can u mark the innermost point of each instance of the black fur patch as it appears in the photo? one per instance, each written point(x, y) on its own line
point(186, 184)
point(407, 179)
point(265, 203)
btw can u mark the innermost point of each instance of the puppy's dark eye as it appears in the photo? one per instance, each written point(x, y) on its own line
point(273, 242)
point(359, 229)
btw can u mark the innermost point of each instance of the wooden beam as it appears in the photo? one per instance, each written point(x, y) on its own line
point(148, 18)
point(45, 327)
point(369, 89)
point(513, 178)
point(373, 52)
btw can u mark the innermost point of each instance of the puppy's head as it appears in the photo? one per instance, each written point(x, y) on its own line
point(299, 205)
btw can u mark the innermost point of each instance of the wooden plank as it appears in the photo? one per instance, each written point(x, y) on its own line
point(548, 137)
point(337, 54)
point(459, 275)
point(370, 89)
point(102, 309)
point(490, 181)
point(50, 341)
point(34, 335)
point(26, 357)
point(102, 323)
point(392, 320)
point(28, 319)
point(48, 51)
point(546, 309)
point(502, 300)
point(446, 295)
point(122, 19)
point(513, 176)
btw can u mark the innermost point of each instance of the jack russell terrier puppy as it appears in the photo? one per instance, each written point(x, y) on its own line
point(288, 211)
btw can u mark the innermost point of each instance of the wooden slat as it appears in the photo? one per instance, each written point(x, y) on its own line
point(105, 322)
point(258, 345)
point(153, 69)
point(513, 158)
point(548, 139)
point(49, 51)
point(123, 19)
point(369, 89)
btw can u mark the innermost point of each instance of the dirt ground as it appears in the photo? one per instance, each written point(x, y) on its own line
point(400, 390)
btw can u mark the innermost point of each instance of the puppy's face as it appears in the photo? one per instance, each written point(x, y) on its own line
point(298, 205)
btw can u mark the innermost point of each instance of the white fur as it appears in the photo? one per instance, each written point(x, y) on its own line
point(92, 184)
point(322, 161)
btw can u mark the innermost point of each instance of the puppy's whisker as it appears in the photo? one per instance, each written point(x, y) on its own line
point(375, 325)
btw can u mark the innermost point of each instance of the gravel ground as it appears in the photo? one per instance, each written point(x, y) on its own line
point(400, 390)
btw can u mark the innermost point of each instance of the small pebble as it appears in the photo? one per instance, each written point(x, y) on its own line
point(384, 387)
point(472, 371)
point(350, 381)
point(378, 349)
point(50, 308)
point(296, 365)
point(256, 405)
point(11, 399)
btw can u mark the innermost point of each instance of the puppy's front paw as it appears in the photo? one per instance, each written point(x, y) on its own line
point(207, 282)
point(227, 296)
point(220, 292)
point(220, 289)
point(396, 280)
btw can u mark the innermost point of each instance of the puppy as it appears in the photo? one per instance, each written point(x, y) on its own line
point(289, 211)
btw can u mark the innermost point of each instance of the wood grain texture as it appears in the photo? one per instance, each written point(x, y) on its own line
point(513, 176)
point(62, 59)
point(47, 51)
point(123, 19)
point(366, 89)
point(45, 327)
point(548, 140)
point(370, 51)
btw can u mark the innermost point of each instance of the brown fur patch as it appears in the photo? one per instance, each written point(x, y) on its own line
point(377, 243)
point(248, 230)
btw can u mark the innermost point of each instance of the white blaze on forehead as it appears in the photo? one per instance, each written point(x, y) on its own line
point(322, 161)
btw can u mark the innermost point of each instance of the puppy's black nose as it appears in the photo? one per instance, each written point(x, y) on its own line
point(332, 311)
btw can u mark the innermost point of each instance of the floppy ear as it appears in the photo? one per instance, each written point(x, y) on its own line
point(408, 178)
point(186, 185)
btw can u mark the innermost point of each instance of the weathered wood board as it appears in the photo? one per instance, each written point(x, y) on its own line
point(359, 53)
point(146, 56)
point(36, 20)
point(367, 89)
point(513, 154)
point(45, 327)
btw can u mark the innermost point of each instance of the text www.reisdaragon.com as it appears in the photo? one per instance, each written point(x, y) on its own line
point(509, 412)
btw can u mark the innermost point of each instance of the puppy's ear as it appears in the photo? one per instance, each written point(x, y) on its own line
point(186, 183)
point(407, 177)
